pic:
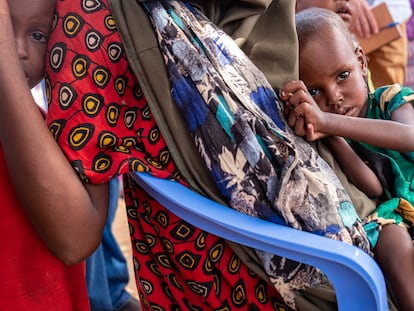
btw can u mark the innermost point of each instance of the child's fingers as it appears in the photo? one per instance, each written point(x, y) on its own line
point(290, 89)
point(291, 117)
point(310, 133)
point(4, 8)
point(299, 128)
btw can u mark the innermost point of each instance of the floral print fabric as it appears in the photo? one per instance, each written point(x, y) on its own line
point(259, 165)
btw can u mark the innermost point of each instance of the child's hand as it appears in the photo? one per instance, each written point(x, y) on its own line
point(366, 25)
point(302, 112)
point(290, 98)
point(312, 135)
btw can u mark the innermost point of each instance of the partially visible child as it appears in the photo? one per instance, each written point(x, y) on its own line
point(32, 278)
point(388, 63)
point(332, 101)
point(348, 10)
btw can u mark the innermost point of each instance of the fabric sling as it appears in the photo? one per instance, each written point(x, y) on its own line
point(146, 61)
point(259, 166)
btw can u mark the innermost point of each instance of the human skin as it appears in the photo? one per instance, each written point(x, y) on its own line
point(348, 10)
point(68, 215)
point(366, 25)
point(331, 97)
point(32, 23)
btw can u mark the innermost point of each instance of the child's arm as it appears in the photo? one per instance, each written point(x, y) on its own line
point(396, 134)
point(387, 134)
point(68, 215)
point(356, 170)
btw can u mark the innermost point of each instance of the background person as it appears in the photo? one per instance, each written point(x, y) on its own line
point(387, 64)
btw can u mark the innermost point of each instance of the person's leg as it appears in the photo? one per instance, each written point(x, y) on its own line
point(394, 253)
point(106, 269)
point(96, 281)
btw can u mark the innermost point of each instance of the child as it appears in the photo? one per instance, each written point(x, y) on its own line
point(347, 10)
point(332, 101)
point(32, 278)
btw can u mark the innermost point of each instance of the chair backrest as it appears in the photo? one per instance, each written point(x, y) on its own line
point(358, 280)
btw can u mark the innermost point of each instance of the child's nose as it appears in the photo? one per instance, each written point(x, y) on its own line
point(335, 106)
point(21, 46)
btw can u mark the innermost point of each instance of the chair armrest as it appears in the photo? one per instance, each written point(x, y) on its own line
point(358, 280)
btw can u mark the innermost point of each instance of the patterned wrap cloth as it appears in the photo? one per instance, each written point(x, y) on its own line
point(259, 165)
point(102, 121)
point(100, 117)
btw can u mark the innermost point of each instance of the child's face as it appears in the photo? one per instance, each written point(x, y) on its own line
point(32, 22)
point(348, 10)
point(334, 73)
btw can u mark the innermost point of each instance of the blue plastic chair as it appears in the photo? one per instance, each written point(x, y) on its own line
point(358, 280)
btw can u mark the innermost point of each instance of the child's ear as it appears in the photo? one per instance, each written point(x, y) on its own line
point(362, 60)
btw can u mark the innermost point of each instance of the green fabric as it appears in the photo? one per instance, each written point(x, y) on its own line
point(381, 104)
point(399, 182)
point(272, 44)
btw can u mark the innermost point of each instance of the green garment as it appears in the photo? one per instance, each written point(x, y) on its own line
point(399, 183)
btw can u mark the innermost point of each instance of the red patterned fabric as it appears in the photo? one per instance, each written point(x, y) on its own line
point(100, 117)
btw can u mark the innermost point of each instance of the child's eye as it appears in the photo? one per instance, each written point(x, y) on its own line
point(343, 75)
point(313, 92)
point(38, 36)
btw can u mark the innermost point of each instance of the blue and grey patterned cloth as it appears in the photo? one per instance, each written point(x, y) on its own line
point(257, 162)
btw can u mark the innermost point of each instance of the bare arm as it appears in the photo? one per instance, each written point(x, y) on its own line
point(387, 134)
point(396, 134)
point(354, 168)
point(68, 215)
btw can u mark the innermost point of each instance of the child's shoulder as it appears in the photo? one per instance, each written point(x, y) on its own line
point(386, 99)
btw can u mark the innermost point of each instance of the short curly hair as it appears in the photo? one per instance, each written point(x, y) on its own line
point(310, 22)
